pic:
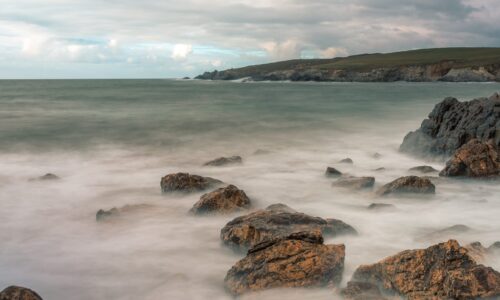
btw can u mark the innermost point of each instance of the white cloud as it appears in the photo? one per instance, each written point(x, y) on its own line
point(181, 51)
point(332, 52)
point(285, 50)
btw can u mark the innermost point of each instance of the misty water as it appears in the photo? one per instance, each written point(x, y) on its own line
point(111, 141)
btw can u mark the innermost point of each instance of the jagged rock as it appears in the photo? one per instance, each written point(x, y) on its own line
point(103, 215)
point(452, 124)
point(222, 200)
point(18, 293)
point(408, 184)
point(474, 159)
point(184, 182)
point(346, 161)
point(442, 271)
point(361, 291)
point(332, 172)
point(354, 183)
point(276, 221)
point(377, 206)
point(423, 169)
point(297, 260)
point(224, 161)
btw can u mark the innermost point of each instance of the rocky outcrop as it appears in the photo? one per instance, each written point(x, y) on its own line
point(452, 124)
point(277, 221)
point(408, 184)
point(184, 182)
point(354, 183)
point(332, 172)
point(423, 169)
point(223, 200)
point(18, 293)
point(443, 271)
point(474, 159)
point(297, 260)
point(224, 161)
point(105, 215)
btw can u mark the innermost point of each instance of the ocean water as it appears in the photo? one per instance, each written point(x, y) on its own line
point(111, 141)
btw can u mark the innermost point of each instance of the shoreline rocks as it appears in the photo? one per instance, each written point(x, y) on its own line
point(474, 159)
point(297, 260)
point(18, 293)
point(408, 185)
point(222, 200)
point(224, 161)
point(185, 182)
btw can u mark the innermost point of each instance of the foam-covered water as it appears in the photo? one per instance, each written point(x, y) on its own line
point(111, 141)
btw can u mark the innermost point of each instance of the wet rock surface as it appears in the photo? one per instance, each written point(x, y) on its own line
point(18, 293)
point(224, 161)
point(223, 200)
point(474, 159)
point(332, 172)
point(361, 291)
point(452, 124)
point(277, 221)
point(423, 169)
point(185, 182)
point(297, 260)
point(408, 184)
point(442, 271)
point(355, 183)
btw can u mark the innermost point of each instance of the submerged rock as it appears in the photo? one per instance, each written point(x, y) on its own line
point(277, 220)
point(355, 183)
point(46, 177)
point(446, 233)
point(222, 200)
point(361, 291)
point(376, 155)
point(442, 271)
point(332, 172)
point(474, 159)
point(346, 161)
point(379, 169)
point(408, 184)
point(452, 124)
point(297, 260)
point(223, 161)
point(184, 182)
point(18, 293)
point(423, 169)
point(377, 206)
point(262, 152)
point(104, 215)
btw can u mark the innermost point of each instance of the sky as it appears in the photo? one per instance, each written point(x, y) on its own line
point(177, 38)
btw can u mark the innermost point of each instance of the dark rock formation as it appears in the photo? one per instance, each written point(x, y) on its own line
point(346, 161)
point(332, 172)
point(408, 184)
point(18, 293)
point(223, 200)
point(442, 271)
point(452, 124)
point(276, 221)
point(474, 159)
point(224, 161)
point(355, 183)
point(104, 215)
point(377, 206)
point(361, 291)
point(184, 182)
point(423, 169)
point(296, 260)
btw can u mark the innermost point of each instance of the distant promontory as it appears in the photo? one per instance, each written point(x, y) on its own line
point(424, 65)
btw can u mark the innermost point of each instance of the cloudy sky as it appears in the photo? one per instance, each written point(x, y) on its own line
point(174, 38)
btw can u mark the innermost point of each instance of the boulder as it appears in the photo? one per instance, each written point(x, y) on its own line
point(452, 124)
point(474, 159)
point(224, 161)
point(355, 183)
point(223, 200)
point(361, 291)
point(408, 184)
point(297, 260)
point(277, 220)
point(442, 271)
point(105, 215)
point(18, 293)
point(332, 172)
point(346, 161)
point(423, 169)
point(184, 182)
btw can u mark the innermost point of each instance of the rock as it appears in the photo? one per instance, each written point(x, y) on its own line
point(277, 220)
point(224, 161)
point(377, 206)
point(18, 293)
point(452, 124)
point(346, 161)
point(474, 159)
point(186, 78)
point(446, 233)
point(408, 184)
point(477, 251)
point(46, 177)
point(423, 169)
point(223, 200)
point(494, 247)
point(355, 183)
point(184, 182)
point(104, 215)
point(442, 271)
point(379, 169)
point(332, 172)
point(296, 260)
point(361, 291)
point(376, 155)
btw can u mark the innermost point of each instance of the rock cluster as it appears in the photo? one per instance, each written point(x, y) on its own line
point(18, 293)
point(408, 184)
point(474, 159)
point(222, 200)
point(185, 182)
